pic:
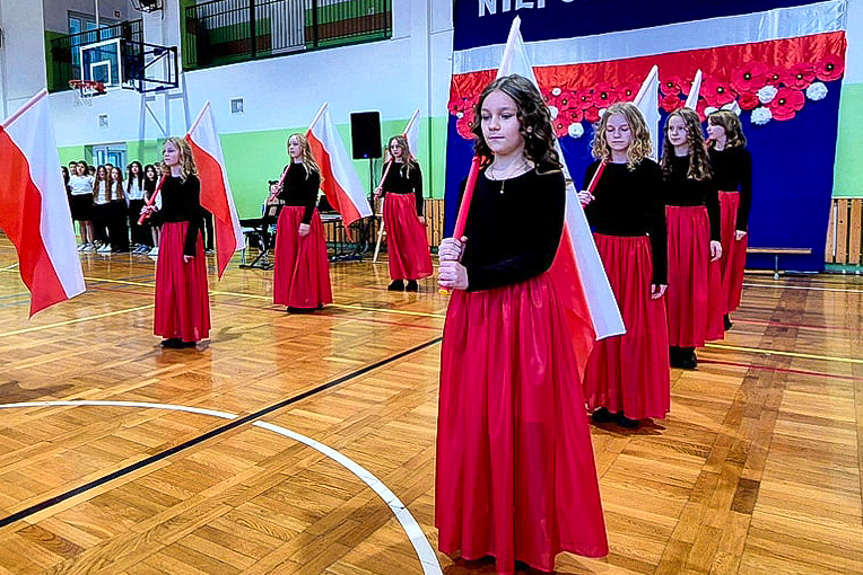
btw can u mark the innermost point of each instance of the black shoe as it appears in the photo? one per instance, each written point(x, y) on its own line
point(726, 320)
point(397, 285)
point(303, 309)
point(626, 422)
point(172, 343)
point(673, 356)
point(602, 415)
point(687, 358)
point(412, 286)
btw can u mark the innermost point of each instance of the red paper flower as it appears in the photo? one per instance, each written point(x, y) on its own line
point(749, 77)
point(748, 101)
point(571, 116)
point(464, 125)
point(604, 95)
point(670, 103)
point(775, 76)
point(583, 98)
point(591, 114)
point(716, 93)
point(786, 104)
point(829, 68)
point(560, 98)
point(627, 93)
point(800, 76)
point(671, 86)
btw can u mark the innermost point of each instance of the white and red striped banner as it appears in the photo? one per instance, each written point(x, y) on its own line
point(34, 211)
point(583, 285)
point(339, 180)
point(216, 195)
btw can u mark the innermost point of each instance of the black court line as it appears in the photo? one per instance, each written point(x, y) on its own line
point(24, 513)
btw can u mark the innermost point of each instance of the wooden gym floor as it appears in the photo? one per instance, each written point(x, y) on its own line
point(305, 443)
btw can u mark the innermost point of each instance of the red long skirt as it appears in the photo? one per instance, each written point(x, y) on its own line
point(733, 251)
point(688, 275)
point(516, 477)
point(407, 245)
point(301, 275)
point(630, 373)
point(182, 302)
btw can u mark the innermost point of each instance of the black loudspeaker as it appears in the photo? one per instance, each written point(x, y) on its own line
point(366, 135)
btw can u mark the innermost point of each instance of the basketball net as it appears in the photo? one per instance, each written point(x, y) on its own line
point(84, 90)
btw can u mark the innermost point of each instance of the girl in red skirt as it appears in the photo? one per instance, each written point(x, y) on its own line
point(301, 272)
point(627, 377)
point(404, 222)
point(732, 171)
point(515, 475)
point(182, 304)
point(693, 238)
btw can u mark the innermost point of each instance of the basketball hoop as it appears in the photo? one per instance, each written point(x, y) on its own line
point(84, 91)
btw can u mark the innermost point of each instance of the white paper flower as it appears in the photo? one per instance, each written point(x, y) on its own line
point(761, 116)
point(459, 115)
point(602, 112)
point(732, 106)
point(816, 91)
point(555, 91)
point(709, 110)
point(766, 94)
point(575, 130)
point(554, 111)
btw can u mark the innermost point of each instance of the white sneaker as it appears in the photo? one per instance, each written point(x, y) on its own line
point(81, 247)
point(89, 248)
point(154, 251)
point(105, 249)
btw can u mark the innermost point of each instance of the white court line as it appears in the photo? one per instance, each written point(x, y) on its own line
point(425, 553)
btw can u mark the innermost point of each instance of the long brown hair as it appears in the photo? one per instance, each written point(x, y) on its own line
point(533, 116)
point(638, 149)
point(187, 159)
point(308, 157)
point(408, 160)
point(699, 162)
point(729, 121)
point(121, 193)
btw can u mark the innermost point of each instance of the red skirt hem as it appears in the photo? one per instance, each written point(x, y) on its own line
point(515, 479)
point(688, 275)
point(301, 274)
point(407, 245)
point(630, 373)
point(182, 308)
point(733, 251)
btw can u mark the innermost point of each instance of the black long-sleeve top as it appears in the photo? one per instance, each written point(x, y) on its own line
point(631, 203)
point(683, 191)
point(396, 182)
point(732, 171)
point(299, 190)
point(513, 228)
point(181, 202)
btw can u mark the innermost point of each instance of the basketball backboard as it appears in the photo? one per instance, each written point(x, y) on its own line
point(123, 63)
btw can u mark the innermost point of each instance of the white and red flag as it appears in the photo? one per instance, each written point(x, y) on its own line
point(412, 133)
point(34, 211)
point(216, 194)
point(339, 180)
point(577, 269)
point(647, 102)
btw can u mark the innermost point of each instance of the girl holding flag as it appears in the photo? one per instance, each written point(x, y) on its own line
point(627, 377)
point(402, 188)
point(182, 315)
point(732, 170)
point(301, 271)
point(515, 478)
point(693, 236)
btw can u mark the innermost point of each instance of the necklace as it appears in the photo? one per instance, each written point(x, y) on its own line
point(507, 173)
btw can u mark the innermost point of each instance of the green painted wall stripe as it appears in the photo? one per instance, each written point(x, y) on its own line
point(848, 173)
point(253, 158)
